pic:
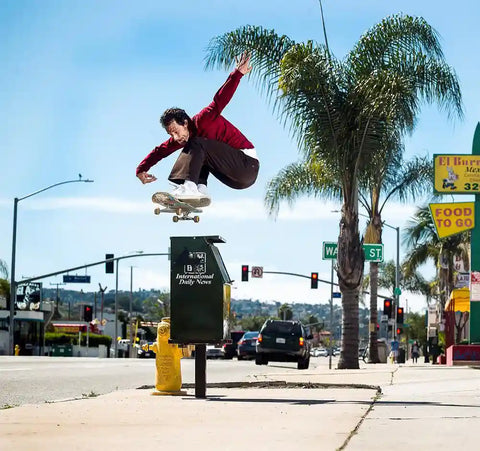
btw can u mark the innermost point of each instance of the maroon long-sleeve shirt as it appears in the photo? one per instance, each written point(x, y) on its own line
point(208, 123)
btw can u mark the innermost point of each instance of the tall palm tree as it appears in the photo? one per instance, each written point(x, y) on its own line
point(424, 245)
point(340, 112)
point(397, 180)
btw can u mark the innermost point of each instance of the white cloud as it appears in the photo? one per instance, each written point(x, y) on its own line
point(239, 210)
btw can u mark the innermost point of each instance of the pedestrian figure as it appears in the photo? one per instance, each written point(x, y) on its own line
point(394, 346)
point(415, 351)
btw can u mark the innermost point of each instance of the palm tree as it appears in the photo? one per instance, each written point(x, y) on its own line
point(4, 284)
point(3, 269)
point(341, 112)
point(421, 237)
point(398, 180)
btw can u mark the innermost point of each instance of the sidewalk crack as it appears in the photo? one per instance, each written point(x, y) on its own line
point(357, 427)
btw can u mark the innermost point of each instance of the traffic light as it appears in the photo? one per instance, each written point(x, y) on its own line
point(400, 315)
point(314, 280)
point(399, 331)
point(109, 265)
point(87, 313)
point(244, 273)
point(387, 307)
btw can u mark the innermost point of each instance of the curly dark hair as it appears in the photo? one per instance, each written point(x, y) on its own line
point(174, 114)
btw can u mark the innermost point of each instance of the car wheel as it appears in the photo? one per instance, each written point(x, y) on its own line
point(303, 364)
point(260, 359)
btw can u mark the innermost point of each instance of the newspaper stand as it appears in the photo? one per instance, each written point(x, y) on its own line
point(199, 298)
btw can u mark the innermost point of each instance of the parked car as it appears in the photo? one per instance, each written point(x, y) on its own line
point(318, 352)
point(145, 353)
point(246, 348)
point(283, 341)
point(230, 349)
point(214, 352)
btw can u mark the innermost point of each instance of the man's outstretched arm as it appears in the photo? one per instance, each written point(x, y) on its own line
point(225, 93)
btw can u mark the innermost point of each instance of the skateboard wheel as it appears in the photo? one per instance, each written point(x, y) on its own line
point(175, 219)
point(196, 219)
point(157, 211)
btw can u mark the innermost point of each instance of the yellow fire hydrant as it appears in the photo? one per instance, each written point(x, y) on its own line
point(17, 350)
point(168, 377)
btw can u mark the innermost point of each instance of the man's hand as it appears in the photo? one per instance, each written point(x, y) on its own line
point(243, 63)
point(146, 178)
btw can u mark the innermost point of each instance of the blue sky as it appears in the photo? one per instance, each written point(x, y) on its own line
point(83, 84)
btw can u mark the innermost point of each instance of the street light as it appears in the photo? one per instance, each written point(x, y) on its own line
point(13, 288)
point(116, 297)
point(396, 293)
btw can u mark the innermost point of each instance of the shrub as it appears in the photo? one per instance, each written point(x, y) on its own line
point(64, 338)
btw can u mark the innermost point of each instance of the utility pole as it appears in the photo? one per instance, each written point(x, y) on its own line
point(57, 298)
point(102, 291)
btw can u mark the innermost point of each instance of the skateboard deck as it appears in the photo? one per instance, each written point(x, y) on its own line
point(181, 210)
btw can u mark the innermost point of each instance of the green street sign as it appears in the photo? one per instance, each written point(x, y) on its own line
point(329, 251)
point(373, 252)
point(397, 291)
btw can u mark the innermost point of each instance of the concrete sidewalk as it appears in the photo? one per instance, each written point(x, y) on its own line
point(376, 407)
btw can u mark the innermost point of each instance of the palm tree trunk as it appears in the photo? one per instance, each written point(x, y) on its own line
point(350, 272)
point(373, 345)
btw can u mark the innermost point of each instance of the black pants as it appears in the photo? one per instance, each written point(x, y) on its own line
point(201, 157)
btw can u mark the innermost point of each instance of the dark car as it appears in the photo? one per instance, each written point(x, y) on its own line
point(283, 341)
point(246, 345)
point(230, 348)
point(145, 352)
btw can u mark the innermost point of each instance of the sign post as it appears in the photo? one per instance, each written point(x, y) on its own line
point(475, 251)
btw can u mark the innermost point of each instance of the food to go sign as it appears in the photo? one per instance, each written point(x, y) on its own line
point(452, 218)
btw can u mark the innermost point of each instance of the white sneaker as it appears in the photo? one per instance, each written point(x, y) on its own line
point(188, 192)
point(203, 189)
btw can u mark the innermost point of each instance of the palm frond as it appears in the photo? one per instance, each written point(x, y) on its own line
point(266, 47)
point(299, 179)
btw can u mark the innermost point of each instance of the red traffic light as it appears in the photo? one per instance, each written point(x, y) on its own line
point(387, 307)
point(400, 315)
point(244, 273)
point(314, 280)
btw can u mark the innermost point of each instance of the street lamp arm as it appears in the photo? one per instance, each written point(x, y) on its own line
point(52, 186)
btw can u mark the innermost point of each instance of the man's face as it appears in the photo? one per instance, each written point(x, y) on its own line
point(179, 132)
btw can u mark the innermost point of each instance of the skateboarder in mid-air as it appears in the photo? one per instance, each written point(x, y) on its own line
point(211, 145)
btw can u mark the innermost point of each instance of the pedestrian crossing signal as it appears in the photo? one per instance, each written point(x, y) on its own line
point(87, 313)
point(314, 280)
point(244, 273)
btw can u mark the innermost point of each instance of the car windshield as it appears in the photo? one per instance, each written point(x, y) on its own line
point(283, 327)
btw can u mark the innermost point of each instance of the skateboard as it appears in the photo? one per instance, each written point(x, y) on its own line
point(181, 210)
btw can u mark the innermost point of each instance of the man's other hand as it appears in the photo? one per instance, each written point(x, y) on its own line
point(146, 178)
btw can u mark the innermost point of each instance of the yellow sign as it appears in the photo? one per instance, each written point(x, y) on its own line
point(457, 173)
point(452, 218)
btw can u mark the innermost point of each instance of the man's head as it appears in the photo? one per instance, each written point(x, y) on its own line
point(176, 122)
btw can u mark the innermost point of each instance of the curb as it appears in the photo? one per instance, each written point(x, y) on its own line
point(277, 384)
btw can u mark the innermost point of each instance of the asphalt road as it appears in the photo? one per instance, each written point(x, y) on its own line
point(34, 380)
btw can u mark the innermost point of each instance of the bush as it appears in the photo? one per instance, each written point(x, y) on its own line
point(63, 338)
